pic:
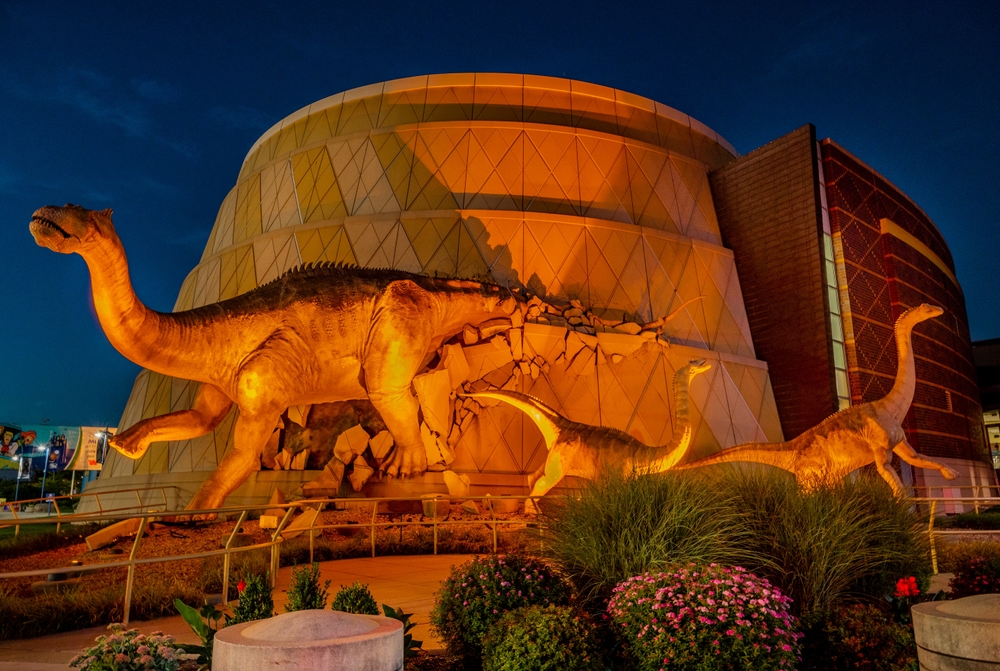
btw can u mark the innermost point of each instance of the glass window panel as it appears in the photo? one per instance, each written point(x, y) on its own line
point(843, 389)
point(839, 360)
point(837, 328)
point(834, 300)
point(828, 247)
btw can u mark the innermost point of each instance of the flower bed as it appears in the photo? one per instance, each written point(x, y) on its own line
point(707, 617)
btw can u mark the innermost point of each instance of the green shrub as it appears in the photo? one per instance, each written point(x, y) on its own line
point(355, 599)
point(979, 574)
point(251, 562)
point(25, 617)
point(256, 601)
point(952, 556)
point(858, 636)
point(846, 541)
point(537, 638)
point(625, 524)
point(477, 594)
point(410, 646)
point(988, 519)
point(128, 650)
point(704, 618)
point(305, 593)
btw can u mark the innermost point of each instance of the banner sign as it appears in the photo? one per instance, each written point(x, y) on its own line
point(76, 448)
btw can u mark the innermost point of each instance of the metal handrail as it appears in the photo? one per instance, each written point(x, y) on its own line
point(15, 506)
point(274, 544)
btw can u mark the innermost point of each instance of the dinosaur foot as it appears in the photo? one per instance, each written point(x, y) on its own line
point(129, 444)
point(405, 463)
point(531, 508)
point(948, 474)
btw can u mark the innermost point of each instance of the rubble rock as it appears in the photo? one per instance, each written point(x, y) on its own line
point(470, 335)
point(453, 360)
point(359, 476)
point(434, 395)
point(458, 485)
point(490, 328)
point(381, 444)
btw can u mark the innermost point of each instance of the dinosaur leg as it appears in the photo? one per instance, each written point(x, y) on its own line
point(534, 477)
point(553, 474)
point(398, 343)
point(883, 463)
point(914, 458)
point(209, 407)
point(249, 438)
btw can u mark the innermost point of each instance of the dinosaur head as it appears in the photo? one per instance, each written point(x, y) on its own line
point(70, 228)
point(697, 367)
point(920, 313)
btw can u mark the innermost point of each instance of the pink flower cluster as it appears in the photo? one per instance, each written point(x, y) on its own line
point(693, 615)
point(128, 650)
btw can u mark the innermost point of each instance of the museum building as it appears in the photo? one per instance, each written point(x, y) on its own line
point(649, 242)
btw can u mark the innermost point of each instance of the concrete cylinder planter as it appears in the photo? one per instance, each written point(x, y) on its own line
point(311, 640)
point(959, 635)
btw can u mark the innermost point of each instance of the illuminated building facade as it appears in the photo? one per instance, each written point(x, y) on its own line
point(573, 192)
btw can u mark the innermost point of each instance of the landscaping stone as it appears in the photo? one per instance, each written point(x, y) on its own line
point(959, 635)
point(311, 640)
point(55, 585)
point(300, 523)
point(110, 534)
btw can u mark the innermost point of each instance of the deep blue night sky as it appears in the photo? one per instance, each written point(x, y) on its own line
point(150, 108)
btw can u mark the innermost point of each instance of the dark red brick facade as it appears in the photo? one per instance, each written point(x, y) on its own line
point(767, 203)
point(886, 276)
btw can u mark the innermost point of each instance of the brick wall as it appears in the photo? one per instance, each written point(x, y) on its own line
point(767, 206)
point(886, 276)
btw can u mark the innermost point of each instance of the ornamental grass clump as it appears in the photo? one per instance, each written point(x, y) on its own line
point(128, 650)
point(624, 524)
point(478, 593)
point(704, 618)
point(846, 541)
point(549, 638)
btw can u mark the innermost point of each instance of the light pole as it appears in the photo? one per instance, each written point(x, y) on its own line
point(45, 470)
point(17, 480)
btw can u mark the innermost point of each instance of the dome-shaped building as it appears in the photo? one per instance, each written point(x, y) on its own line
point(566, 190)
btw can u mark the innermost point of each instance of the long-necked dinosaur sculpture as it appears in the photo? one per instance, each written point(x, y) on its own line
point(584, 451)
point(855, 437)
point(314, 335)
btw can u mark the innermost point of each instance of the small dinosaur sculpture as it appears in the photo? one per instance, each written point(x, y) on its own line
point(314, 335)
point(854, 437)
point(584, 450)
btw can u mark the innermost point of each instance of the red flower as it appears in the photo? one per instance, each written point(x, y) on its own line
point(907, 587)
point(242, 585)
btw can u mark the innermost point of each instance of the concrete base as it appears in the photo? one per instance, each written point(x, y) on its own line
point(311, 640)
point(959, 635)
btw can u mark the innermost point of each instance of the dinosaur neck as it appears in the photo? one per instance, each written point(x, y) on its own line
point(898, 400)
point(146, 337)
point(675, 450)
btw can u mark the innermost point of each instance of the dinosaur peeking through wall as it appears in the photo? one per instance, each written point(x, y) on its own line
point(314, 335)
point(858, 436)
point(585, 451)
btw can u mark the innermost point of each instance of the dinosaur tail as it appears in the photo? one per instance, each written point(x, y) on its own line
point(545, 418)
point(772, 454)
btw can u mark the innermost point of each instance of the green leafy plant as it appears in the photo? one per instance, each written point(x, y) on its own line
point(256, 601)
point(704, 618)
point(537, 638)
point(976, 575)
point(355, 599)
point(305, 593)
point(479, 592)
point(858, 636)
point(204, 623)
point(624, 524)
point(410, 646)
point(988, 519)
point(128, 650)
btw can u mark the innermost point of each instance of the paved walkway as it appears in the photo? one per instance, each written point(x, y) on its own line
point(402, 582)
